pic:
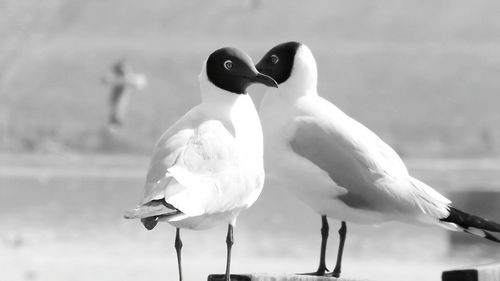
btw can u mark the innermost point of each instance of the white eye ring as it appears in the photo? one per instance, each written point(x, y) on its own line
point(228, 64)
point(274, 59)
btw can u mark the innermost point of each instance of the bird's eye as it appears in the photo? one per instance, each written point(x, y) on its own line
point(274, 59)
point(228, 64)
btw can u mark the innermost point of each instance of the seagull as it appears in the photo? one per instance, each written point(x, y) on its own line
point(336, 165)
point(208, 166)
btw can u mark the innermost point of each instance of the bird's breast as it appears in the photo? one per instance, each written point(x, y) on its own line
point(248, 130)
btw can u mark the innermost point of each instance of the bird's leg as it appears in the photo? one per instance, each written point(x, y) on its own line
point(178, 247)
point(229, 243)
point(324, 238)
point(342, 235)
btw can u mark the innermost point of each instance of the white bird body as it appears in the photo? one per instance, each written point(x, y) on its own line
point(209, 164)
point(352, 161)
point(335, 164)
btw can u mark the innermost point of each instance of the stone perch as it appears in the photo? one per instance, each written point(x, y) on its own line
point(489, 272)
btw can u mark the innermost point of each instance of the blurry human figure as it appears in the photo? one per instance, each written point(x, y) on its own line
point(123, 82)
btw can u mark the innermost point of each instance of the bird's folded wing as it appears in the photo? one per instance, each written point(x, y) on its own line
point(188, 167)
point(166, 153)
point(356, 159)
point(209, 160)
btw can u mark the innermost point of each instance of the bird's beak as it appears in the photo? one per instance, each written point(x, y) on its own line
point(264, 79)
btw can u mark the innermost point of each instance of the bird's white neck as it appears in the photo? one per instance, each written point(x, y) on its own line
point(239, 109)
point(303, 79)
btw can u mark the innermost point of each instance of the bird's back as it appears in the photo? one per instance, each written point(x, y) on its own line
point(351, 162)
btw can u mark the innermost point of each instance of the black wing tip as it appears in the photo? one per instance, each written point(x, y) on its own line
point(150, 222)
point(150, 219)
point(466, 220)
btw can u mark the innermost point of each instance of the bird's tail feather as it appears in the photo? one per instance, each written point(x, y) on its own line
point(461, 221)
point(151, 212)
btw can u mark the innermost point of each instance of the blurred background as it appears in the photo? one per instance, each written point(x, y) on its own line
point(422, 74)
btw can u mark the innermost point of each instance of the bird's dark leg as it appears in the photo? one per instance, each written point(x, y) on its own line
point(324, 238)
point(178, 247)
point(229, 243)
point(322, 269)
point(342, 235)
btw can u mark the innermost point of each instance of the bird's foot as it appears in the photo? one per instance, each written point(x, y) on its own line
point(319, 272)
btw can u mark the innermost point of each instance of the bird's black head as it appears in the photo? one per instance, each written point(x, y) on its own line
point(233, 70)
point(278, 62)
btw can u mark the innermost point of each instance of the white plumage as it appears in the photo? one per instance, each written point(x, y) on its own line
point(208, 166)
point(336, 165)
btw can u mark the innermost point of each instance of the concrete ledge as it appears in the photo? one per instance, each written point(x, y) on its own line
point(272, 277)
point(489, 272)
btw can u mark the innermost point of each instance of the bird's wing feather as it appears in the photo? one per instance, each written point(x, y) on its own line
point(189, 166)
point(153, 208)
point(210, 158)
point(166, 152)
point(358, 160)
